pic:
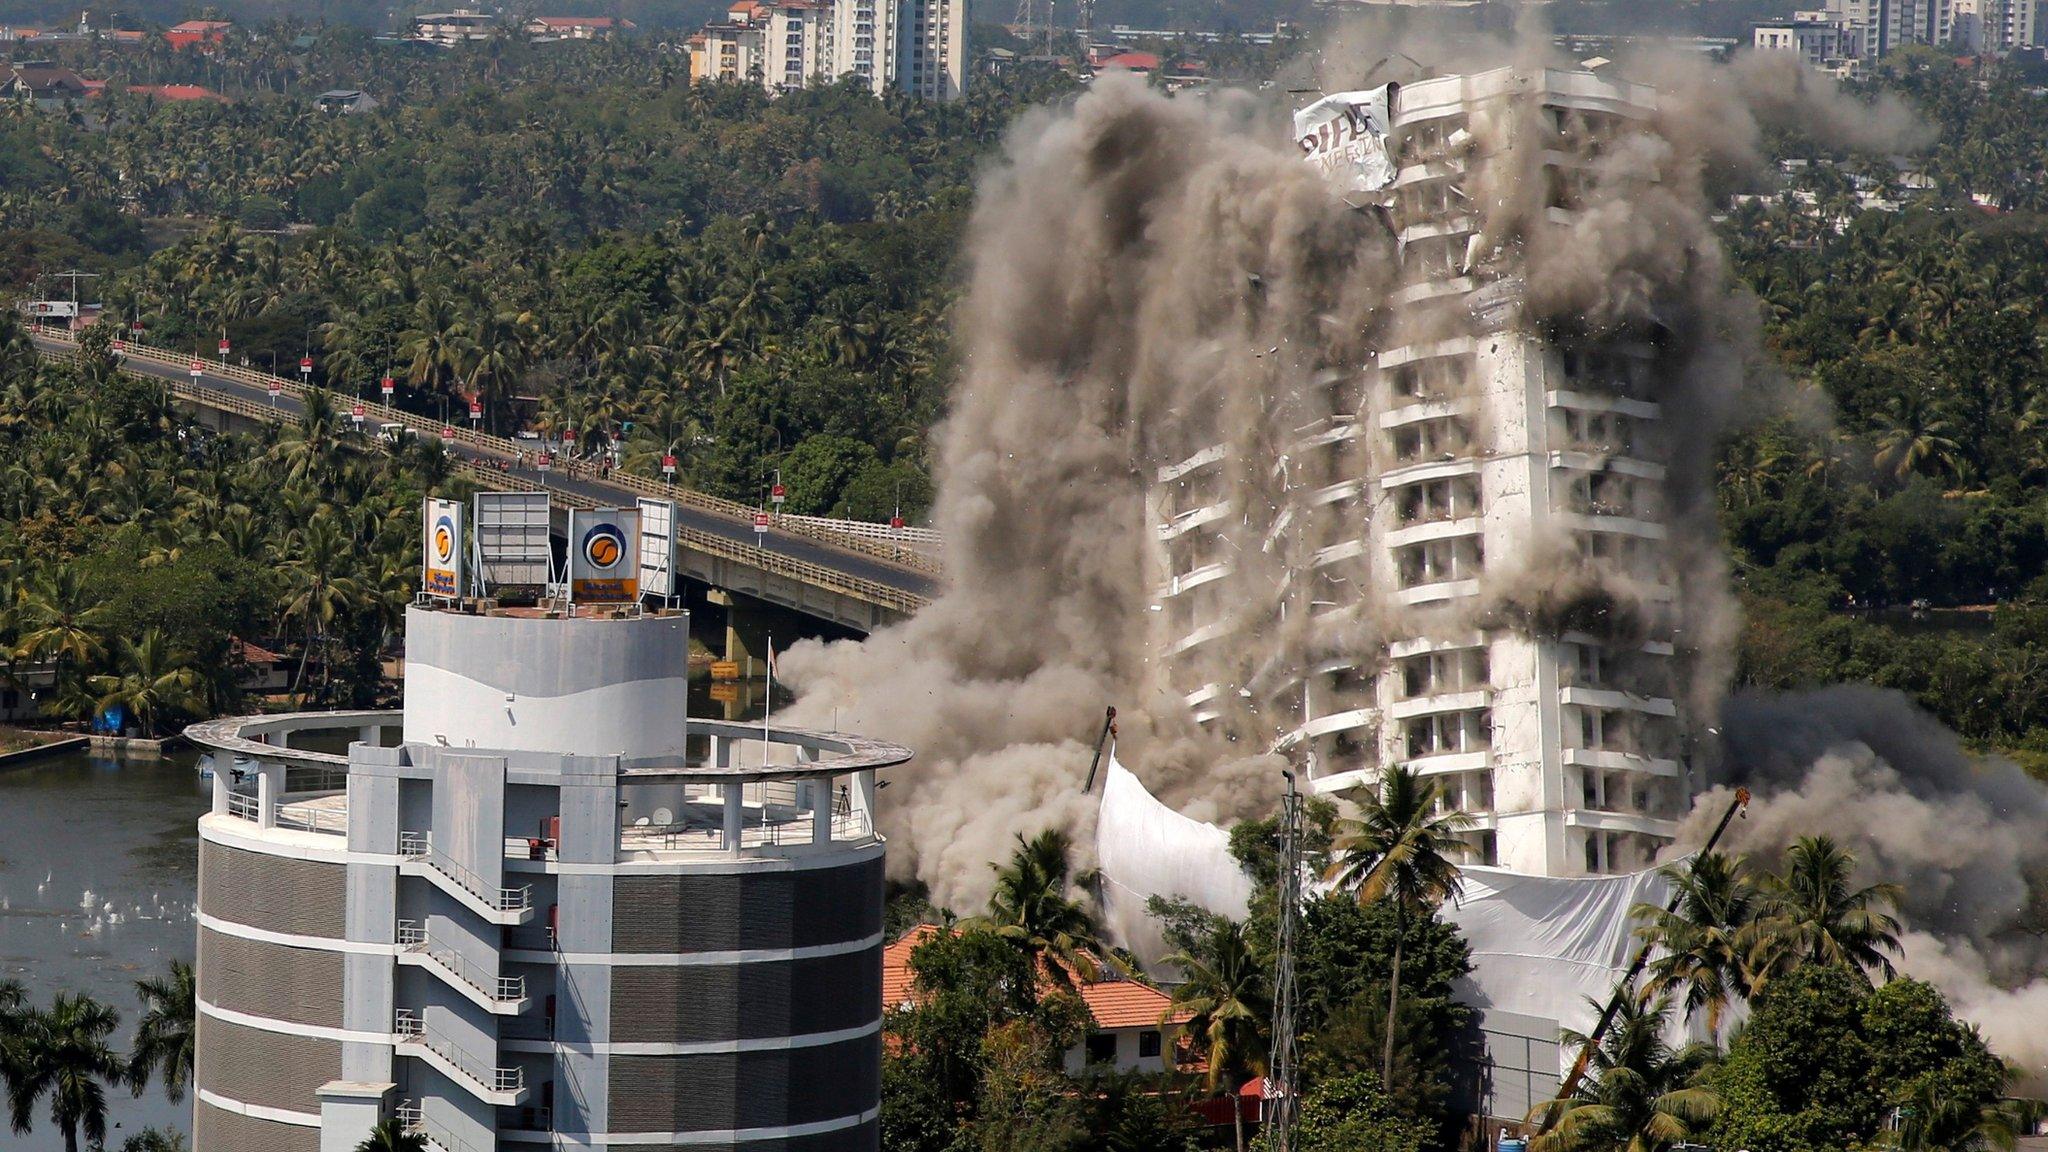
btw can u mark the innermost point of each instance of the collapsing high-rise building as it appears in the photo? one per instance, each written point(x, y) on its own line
point(1474, 517)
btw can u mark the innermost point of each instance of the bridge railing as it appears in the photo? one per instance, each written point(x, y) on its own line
point(832, 533)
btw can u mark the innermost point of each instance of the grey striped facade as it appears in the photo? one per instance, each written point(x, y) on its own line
point(218, 1128)
point(274, 893)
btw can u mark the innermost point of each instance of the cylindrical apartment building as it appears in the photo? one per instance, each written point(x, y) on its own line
point(540, 907)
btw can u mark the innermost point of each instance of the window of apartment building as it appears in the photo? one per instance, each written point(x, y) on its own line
point(1619, 552)
point(1148, 1044)
point(1628, 793)
point(1593, 430)
point(1435, 673)
point(1598, 494)
point(1627, 732)
point(1623, 372)
point(1102, 1048)
point(1589, 665)
point(1434, 257)
point(1426, 138)
point(1485, 849)
point(1437, 561)
point(1564, 186)
point(1448, 733)
point(1430, 501)
point(1439, 438)
point(1431, 378)
point(1466, 792)
point(1430, 199)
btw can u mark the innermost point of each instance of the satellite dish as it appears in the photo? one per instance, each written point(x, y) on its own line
point(664, 816)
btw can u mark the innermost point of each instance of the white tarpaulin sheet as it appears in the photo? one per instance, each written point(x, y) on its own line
point(1146, 849)
point(1344, 135)
point(1543, 945)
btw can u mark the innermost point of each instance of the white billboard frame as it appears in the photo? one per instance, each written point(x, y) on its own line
point(512, 540)
point(658, 548)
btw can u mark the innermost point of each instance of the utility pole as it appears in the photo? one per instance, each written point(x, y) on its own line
point(1283, 1089)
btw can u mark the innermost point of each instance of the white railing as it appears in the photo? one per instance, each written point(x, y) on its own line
point(328, 820)
point(412, 935)
point(485, 1073)
point(412, 1119)
point(420, 846)
point(245, 807)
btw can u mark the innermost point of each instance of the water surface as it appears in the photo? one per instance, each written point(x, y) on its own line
point(98, 881)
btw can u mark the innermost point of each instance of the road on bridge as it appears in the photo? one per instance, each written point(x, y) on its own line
point(583, 485)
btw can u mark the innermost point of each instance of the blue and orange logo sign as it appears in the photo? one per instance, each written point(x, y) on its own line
point(444, 540)
point(604, 547)
point(441, 544)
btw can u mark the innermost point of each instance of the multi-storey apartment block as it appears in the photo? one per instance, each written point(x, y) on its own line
point(914, 46)
point(1478, 451)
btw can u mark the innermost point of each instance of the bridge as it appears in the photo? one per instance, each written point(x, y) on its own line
point(847, 574)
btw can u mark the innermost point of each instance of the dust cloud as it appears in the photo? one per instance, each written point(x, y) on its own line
point(1172, 322)
point(1958, 832)
point(1149, 276)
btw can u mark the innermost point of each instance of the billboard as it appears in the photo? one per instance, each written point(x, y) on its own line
point(441, 550)
point(1344, 135)
point(657, 548)
point(512, 539)
point(604, 555)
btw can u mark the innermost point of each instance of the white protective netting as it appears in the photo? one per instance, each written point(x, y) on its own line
point(1146, 849)
point(1546, 947)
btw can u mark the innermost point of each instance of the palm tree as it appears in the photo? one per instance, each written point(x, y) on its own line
point(390, 1136)
point(1914, 437)
point(318, 589)
point(1230, 1002)
point(62, 1053)
point(1813, 916)
point(1031, 908)
point(164, 1040)
point(1642, 1095)
point(1707, 945)
point(59, 623)
point(1400, 849)
point(153, 680)
point(1931, 1121)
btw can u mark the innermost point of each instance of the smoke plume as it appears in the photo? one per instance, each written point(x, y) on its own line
point(1957, 832)
point(1172, 319)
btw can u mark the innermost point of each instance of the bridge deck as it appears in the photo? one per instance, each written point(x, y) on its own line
point(841, 566)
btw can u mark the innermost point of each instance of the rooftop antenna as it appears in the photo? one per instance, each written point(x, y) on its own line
point(1101, 742)
point(1282, 1094)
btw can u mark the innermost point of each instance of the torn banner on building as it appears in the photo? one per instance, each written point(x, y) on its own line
point(1344, 135)
point(1546, 950)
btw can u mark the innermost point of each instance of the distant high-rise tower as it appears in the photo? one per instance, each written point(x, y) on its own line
point(913, 46)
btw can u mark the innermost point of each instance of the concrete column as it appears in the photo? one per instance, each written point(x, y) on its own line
point(220, 785)
point(370, 734)
point(747, 622)
point(821, 809)
point(864, 796)
point(735, 814)
point(266, 798)
point(348, 1110)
